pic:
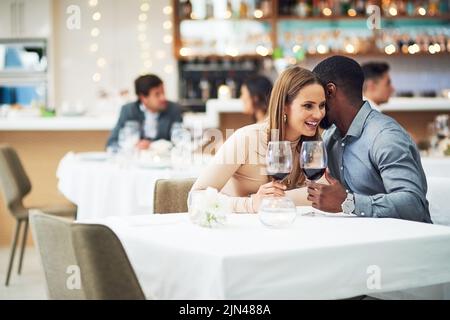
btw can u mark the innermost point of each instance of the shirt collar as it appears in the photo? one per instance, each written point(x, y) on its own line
point(146, 111)
point(373, 104)
point(357, 125)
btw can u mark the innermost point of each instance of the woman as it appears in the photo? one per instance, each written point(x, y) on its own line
point(255, 95)
point(297, 105)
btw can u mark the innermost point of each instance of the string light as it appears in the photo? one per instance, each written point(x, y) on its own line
point(95, 32)
point(167, 10)
point(167, 39)
point(96, 16)
point(142, 27)
point(101, 62)
point(167, 25)
point(94, 47)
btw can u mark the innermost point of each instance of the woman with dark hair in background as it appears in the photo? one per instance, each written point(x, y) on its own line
point(255, 94)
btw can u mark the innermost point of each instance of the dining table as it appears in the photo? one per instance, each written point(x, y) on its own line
point(102, 185)
point(316, 257)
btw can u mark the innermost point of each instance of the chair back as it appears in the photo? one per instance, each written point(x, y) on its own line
point(170, 195)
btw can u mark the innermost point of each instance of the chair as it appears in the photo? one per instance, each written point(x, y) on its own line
point(170, 196)
point(53, 238)
point(16, 185)
point(106, 271)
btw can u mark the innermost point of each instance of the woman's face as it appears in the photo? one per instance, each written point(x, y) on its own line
point(247, 100)
point(306, 111)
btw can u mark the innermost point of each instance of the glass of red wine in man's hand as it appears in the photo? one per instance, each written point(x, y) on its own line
point(313, 160)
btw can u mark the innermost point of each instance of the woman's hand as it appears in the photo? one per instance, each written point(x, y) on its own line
point(271, 189)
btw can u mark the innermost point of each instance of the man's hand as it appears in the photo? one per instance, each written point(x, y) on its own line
point(143, 144)
point(327, 197)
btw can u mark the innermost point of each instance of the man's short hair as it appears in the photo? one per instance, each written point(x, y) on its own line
point(145, 83)
point(345, 73)
point(374, 70)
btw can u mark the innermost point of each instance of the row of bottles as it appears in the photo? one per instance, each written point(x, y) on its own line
point(224, 9)
point(201, 79)
point(352, 8)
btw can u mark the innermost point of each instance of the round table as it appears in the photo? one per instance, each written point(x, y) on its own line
point(102, 187)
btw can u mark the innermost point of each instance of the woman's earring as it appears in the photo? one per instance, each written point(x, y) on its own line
point(285, 118)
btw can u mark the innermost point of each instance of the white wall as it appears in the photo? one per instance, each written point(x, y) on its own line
point(118, 44)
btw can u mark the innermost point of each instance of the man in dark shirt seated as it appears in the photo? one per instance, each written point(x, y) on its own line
point(154, 114)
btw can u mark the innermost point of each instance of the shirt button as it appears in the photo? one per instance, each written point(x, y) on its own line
point(342, 168)
point(343, 144)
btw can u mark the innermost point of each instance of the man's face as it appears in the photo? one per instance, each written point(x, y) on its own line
point(380, 90)
point(155, 101)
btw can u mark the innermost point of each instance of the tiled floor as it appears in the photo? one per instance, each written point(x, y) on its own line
point(28, 286)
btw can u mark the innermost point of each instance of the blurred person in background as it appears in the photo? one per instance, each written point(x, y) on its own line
point(377, 84)
point(255, 95)
point(152, 111)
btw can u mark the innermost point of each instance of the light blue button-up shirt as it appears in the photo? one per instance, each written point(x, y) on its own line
point(379, 163)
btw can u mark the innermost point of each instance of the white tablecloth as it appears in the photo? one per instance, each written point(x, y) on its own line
point(316, 258)
point(105, 188)
point(436, 167)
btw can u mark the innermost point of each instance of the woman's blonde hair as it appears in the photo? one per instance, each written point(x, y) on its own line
point(284, 92)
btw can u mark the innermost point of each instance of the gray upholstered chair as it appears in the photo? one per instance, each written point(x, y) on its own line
point(15, 185)
point(106, 271)
point(170, 196)
point(53, 239)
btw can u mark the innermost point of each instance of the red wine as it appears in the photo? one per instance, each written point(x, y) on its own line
point(314, 174)
point(279, 176)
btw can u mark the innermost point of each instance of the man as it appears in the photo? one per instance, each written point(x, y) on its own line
point(374, 167)
point(377, 84)
point(152, 111)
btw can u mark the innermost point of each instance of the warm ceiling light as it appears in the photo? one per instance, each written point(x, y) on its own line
point(351, 12)
point(390, 49)
point(327, 12)
point(349, 48)
point(258, 14)
point(321, 48)
point(393, 11)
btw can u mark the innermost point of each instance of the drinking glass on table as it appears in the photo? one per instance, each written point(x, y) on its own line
point(129, 137)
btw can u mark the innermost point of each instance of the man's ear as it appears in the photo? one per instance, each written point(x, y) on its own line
point(330, 90)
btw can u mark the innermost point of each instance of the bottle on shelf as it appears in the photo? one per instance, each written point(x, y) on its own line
point(243, 9)
point(231, 83)
point(205, 87)
point(209, 9)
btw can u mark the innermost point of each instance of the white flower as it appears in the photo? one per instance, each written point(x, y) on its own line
point(209, 208)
